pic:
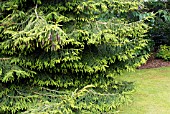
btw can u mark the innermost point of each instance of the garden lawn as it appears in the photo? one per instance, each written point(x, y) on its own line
point(152, 91)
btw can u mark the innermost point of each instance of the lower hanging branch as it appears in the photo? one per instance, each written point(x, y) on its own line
point(27, 99)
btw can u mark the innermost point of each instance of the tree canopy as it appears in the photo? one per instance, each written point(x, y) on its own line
point(53, 52)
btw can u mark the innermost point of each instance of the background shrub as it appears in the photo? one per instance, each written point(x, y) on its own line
point(164, 52)
point(160, 23)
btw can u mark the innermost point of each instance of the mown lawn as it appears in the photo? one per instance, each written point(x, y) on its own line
point(152, 93)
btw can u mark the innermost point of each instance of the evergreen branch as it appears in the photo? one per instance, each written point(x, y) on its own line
point(4, 59)
point(38, 15)
point(36, 11)
point(15, 96)
point(16, 23)
point(55, 91)
point(54, 96)
point(102, 94)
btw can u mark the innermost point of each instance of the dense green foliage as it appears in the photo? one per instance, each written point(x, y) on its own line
point(158, 18)
point(52, 51)
point(160, 22)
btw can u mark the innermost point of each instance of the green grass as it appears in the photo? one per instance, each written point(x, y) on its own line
point(152, 93)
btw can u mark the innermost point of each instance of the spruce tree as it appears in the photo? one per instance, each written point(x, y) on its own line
point(61, 56)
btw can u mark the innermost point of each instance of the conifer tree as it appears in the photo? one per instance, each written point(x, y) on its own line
point(48, 48)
